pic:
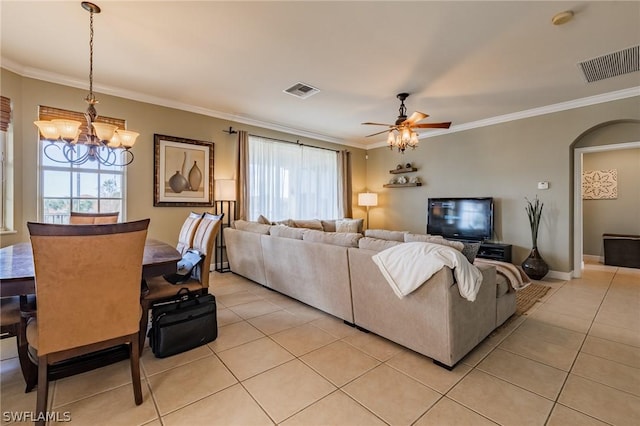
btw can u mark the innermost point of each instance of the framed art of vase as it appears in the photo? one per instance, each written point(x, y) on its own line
point(183, 172)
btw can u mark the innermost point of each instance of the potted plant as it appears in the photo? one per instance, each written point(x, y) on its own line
point(534, 266)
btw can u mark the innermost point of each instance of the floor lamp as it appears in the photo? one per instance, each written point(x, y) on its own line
point(225, 202)
point(368, 199)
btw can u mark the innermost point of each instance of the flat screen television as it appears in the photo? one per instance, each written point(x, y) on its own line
point(461, 218)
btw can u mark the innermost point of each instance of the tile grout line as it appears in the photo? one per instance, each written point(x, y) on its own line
point(564, 383)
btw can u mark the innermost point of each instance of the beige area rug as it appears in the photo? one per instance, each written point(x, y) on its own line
point(528, 297)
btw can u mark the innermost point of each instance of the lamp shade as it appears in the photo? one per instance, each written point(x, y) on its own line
point(226, 189)
point(367, 199)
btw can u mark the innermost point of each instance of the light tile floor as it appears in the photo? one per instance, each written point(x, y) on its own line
point(573, 359)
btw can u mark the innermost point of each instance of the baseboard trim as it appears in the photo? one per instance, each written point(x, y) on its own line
point(593, 258)
point(558, 275)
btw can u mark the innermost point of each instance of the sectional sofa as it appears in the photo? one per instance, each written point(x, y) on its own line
point(334, 272)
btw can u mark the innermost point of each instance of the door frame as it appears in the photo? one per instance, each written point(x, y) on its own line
point(578, 237)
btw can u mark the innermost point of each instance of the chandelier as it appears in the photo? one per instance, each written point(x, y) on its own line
point(402, 135)
point(104, 142)
point(401, 138)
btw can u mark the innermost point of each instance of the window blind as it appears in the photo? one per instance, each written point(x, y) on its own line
point(51, 113)
point(5, 113)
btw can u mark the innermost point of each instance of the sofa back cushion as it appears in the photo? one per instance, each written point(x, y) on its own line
point(344, 239)
point(435, 239)
point(383, 234)
point(376, 244)
point(349, 225)
point(287, 232)
point(258, 228)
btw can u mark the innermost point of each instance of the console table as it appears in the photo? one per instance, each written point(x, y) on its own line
point(495, 251)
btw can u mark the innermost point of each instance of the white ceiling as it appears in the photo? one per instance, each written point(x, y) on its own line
point(463, 62)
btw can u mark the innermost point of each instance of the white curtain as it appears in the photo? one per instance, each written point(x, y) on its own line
point(289, 181)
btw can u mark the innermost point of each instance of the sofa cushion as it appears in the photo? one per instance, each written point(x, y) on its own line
point(308, 224)
point(376, 244)
point(435, 239)
point(383, 234)
point(328, 225)
point(349, 225)
point(345, 239)
point(258, 228)
point(287, 232)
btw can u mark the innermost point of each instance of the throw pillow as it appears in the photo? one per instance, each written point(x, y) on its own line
point(470, 251)
point(348, 225)
point(263, 220)
point(328, 225)
point(308, 224)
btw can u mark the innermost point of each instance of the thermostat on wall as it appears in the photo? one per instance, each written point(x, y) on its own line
point(543, 185)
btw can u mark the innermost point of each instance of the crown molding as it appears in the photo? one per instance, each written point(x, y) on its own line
point(549, 109)
point(39, 74)
point(50, 77)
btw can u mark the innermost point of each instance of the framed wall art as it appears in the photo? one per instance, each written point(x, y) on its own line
point(183, 172)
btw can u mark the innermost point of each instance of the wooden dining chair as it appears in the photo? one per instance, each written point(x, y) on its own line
point(88, 295)
point(188, 230)
point(161, 290)
point(78, 218)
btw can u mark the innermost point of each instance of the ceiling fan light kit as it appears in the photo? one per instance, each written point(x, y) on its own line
point(402, 135)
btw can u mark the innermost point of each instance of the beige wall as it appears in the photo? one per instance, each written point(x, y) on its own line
point(504, 161)
point(617, 216)
point(27, 94)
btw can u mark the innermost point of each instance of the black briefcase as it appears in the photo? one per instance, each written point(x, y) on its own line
point(184, 323)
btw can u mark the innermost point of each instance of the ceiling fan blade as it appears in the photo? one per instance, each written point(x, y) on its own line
point(379, 133)
point(415, 117)
point(433, 125)
point(377, 124)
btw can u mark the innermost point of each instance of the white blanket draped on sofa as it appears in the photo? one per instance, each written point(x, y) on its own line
point(407, 266)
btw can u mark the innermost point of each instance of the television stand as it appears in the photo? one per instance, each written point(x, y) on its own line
point(495, 251)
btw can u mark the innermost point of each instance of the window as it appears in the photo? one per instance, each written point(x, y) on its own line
point(291, 181)
point(6, 175)
point(64, 187)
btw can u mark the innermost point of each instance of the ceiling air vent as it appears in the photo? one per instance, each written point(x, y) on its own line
point(301, 90)
point(611, 65)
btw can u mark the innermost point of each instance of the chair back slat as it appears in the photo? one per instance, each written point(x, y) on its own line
point(203, 242)
point(87, 282)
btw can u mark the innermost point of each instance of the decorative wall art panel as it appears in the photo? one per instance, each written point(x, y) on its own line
point(600, 184)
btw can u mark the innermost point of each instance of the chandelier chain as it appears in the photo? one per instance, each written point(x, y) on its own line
point(91, 97)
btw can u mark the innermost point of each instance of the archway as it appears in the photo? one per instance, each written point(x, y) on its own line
point(608, 136)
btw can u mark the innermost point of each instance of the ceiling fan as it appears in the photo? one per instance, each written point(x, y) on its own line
point(406, 136)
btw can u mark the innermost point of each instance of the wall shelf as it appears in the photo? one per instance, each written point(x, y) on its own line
point(401, 185)
point(404, 170)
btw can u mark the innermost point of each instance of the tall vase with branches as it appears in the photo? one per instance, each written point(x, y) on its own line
point(534, 265)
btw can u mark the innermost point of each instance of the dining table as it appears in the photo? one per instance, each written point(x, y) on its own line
point(17, 278)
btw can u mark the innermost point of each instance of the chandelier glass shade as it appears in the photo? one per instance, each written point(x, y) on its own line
point(104, 142)
point(402, 138)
